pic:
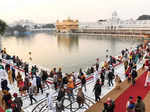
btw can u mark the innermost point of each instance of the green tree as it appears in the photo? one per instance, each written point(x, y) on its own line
point(144, 17)
point(3, 26)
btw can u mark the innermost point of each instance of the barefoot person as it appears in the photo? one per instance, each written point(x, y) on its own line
point(139, 106)
point(147, 81)
point(80, 97)
point(97, 90)
point(117, 82)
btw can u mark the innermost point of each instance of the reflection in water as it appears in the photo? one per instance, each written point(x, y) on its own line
point(68, 51)
point(68, 42)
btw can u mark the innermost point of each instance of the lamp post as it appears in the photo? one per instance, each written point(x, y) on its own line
point(30, 58)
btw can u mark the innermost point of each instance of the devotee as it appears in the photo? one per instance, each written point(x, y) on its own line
point(31, 94)
point(110, 77)
point(39, 84)
point(18, 101)
point(50, 102)
point(109, 105)
point(61, 95)
point(139, 106)
point(118, 81)
point(133, 75)
point(97, 90)
point(80, 97)
point(147, 81)
point(82, 77)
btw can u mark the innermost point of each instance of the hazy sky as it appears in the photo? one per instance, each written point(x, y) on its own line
point(43, 11)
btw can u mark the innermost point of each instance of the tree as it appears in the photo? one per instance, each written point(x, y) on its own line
point(144, 17)
point(3, 26)
point(48, 26)
point(19, 28)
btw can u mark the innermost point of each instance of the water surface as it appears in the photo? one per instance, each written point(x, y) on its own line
point(67, 51)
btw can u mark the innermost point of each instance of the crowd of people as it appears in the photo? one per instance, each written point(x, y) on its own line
point(139, 106)
point(34, 80)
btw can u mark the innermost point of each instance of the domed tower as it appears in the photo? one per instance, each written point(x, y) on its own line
point(115, 21)
point(114, 15)
point(57, 21)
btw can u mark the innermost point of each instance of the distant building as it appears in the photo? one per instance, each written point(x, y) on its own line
point(30, 26)
point(67, 25)
point(115, 23)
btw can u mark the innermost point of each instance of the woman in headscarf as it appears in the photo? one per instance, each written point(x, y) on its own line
point(117, 81)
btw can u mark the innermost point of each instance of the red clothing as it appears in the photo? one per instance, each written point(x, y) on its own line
point(131, 53)
point(21, 84)
point(146, 63)
point(129, 75)
point(128, 71)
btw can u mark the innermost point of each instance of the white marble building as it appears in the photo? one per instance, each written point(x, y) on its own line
point(115, 23)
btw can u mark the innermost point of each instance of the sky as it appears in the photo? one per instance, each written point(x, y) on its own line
point(48, 11)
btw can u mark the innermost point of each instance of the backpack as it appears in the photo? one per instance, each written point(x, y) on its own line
point(131, 106)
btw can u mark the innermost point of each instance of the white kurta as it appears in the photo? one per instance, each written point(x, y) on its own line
point(51, 107)
point(147, 79)
point(95, 76)
point(34, 82)
point(3, 75)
